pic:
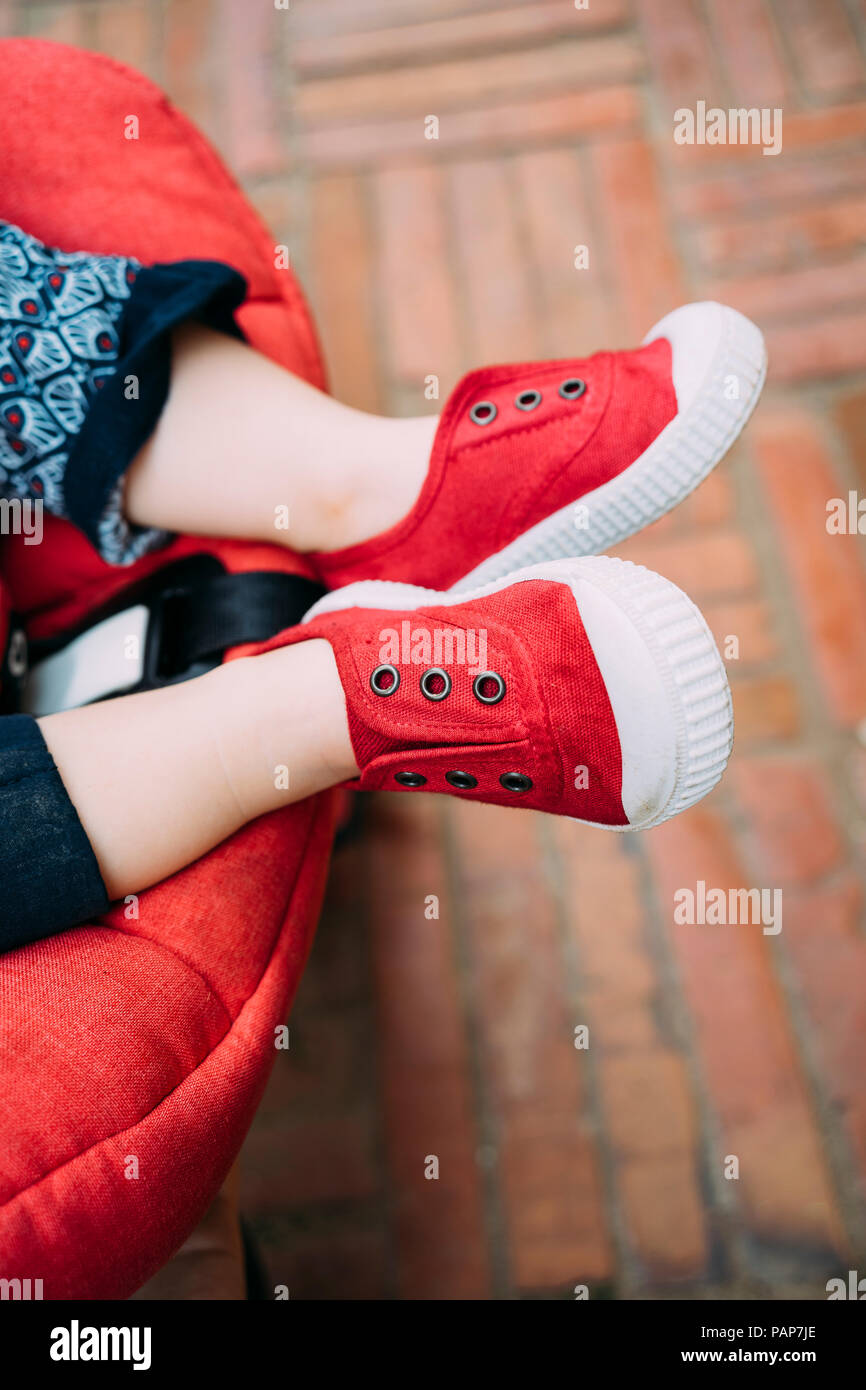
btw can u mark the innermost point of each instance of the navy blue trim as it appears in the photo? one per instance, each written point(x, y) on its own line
point(49, 876)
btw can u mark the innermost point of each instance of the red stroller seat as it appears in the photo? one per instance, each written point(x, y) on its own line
point(134, 1049)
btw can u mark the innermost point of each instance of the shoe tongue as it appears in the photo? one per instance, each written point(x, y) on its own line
point(425, 664)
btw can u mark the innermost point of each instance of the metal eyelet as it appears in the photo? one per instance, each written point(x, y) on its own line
point(464, 781)
point(516, 782)
point(483, 413)
point(478, 687)
point(410, 779)
point(572, 388)
point(376, 680)
point(527, 400)
point(435, 673)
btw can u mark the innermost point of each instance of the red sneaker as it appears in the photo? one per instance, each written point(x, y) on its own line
point(591, 688)
point(543, 460)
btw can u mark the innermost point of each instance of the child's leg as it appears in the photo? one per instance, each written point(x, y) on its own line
point(240, 438)
point(159, 778)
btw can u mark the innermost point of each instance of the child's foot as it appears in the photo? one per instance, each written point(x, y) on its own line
point(591, 688)
point(543, 460)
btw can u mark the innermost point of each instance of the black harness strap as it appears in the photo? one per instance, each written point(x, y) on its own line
point(228, 611)
point(197, 610)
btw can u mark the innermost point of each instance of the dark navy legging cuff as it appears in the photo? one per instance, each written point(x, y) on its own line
point(49, 877)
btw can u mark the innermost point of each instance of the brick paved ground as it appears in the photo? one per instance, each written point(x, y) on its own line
point(453, 1037)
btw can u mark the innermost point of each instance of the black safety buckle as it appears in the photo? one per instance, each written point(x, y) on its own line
point(195, 611)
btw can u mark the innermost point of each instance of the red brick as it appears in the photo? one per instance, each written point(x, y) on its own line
point(276, 204)
point(124, 31)
point(789, 813)
point(188, 35)
point(552, 1197)
point(342, 288)
point(751, 622)
point(336, 978)
point(618, 982)
point(465, 32)
point(857, 779)
point(425, 1073)
point(418, 292)
point(311, 1163)
point(809, 289)
point(775, 184)
point(633, 224)
point(824, 45)
point(710, 504)
point(325, 1063)
point(325, 17)
point(336, 1261)
point(489, 127)
point(746, 1048)
point(576, 311)
point(248, 36)
point(765, 707)
point(681, 49)
point(821, 347)
point(802, 131)
point(750, 51)
point(810, 129)
point(824, 941)
point(664, 1214)
point(502, 317)
point(546, 1157)
point(331, 1032)
point(641, 1089)
point(827, 572)
point(327, 1158)
point(469, 82)
point(665, 528)
point(850, 415)
point(786, 238)
point(715, 564)
point(648, 1110)
point(60, 23)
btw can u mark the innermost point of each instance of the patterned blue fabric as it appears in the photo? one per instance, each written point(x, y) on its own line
point(85, 365)
point(59, 343)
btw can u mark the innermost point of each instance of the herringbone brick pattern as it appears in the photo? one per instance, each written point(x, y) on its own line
point(454, 1037)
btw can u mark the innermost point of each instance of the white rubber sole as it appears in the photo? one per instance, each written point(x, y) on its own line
point(664, 676)
point(719, 367)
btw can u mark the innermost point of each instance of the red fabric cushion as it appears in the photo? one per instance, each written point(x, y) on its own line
point(145, 1037)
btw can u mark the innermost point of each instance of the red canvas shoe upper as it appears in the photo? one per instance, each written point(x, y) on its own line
point(515, 444)
point(540, 718)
